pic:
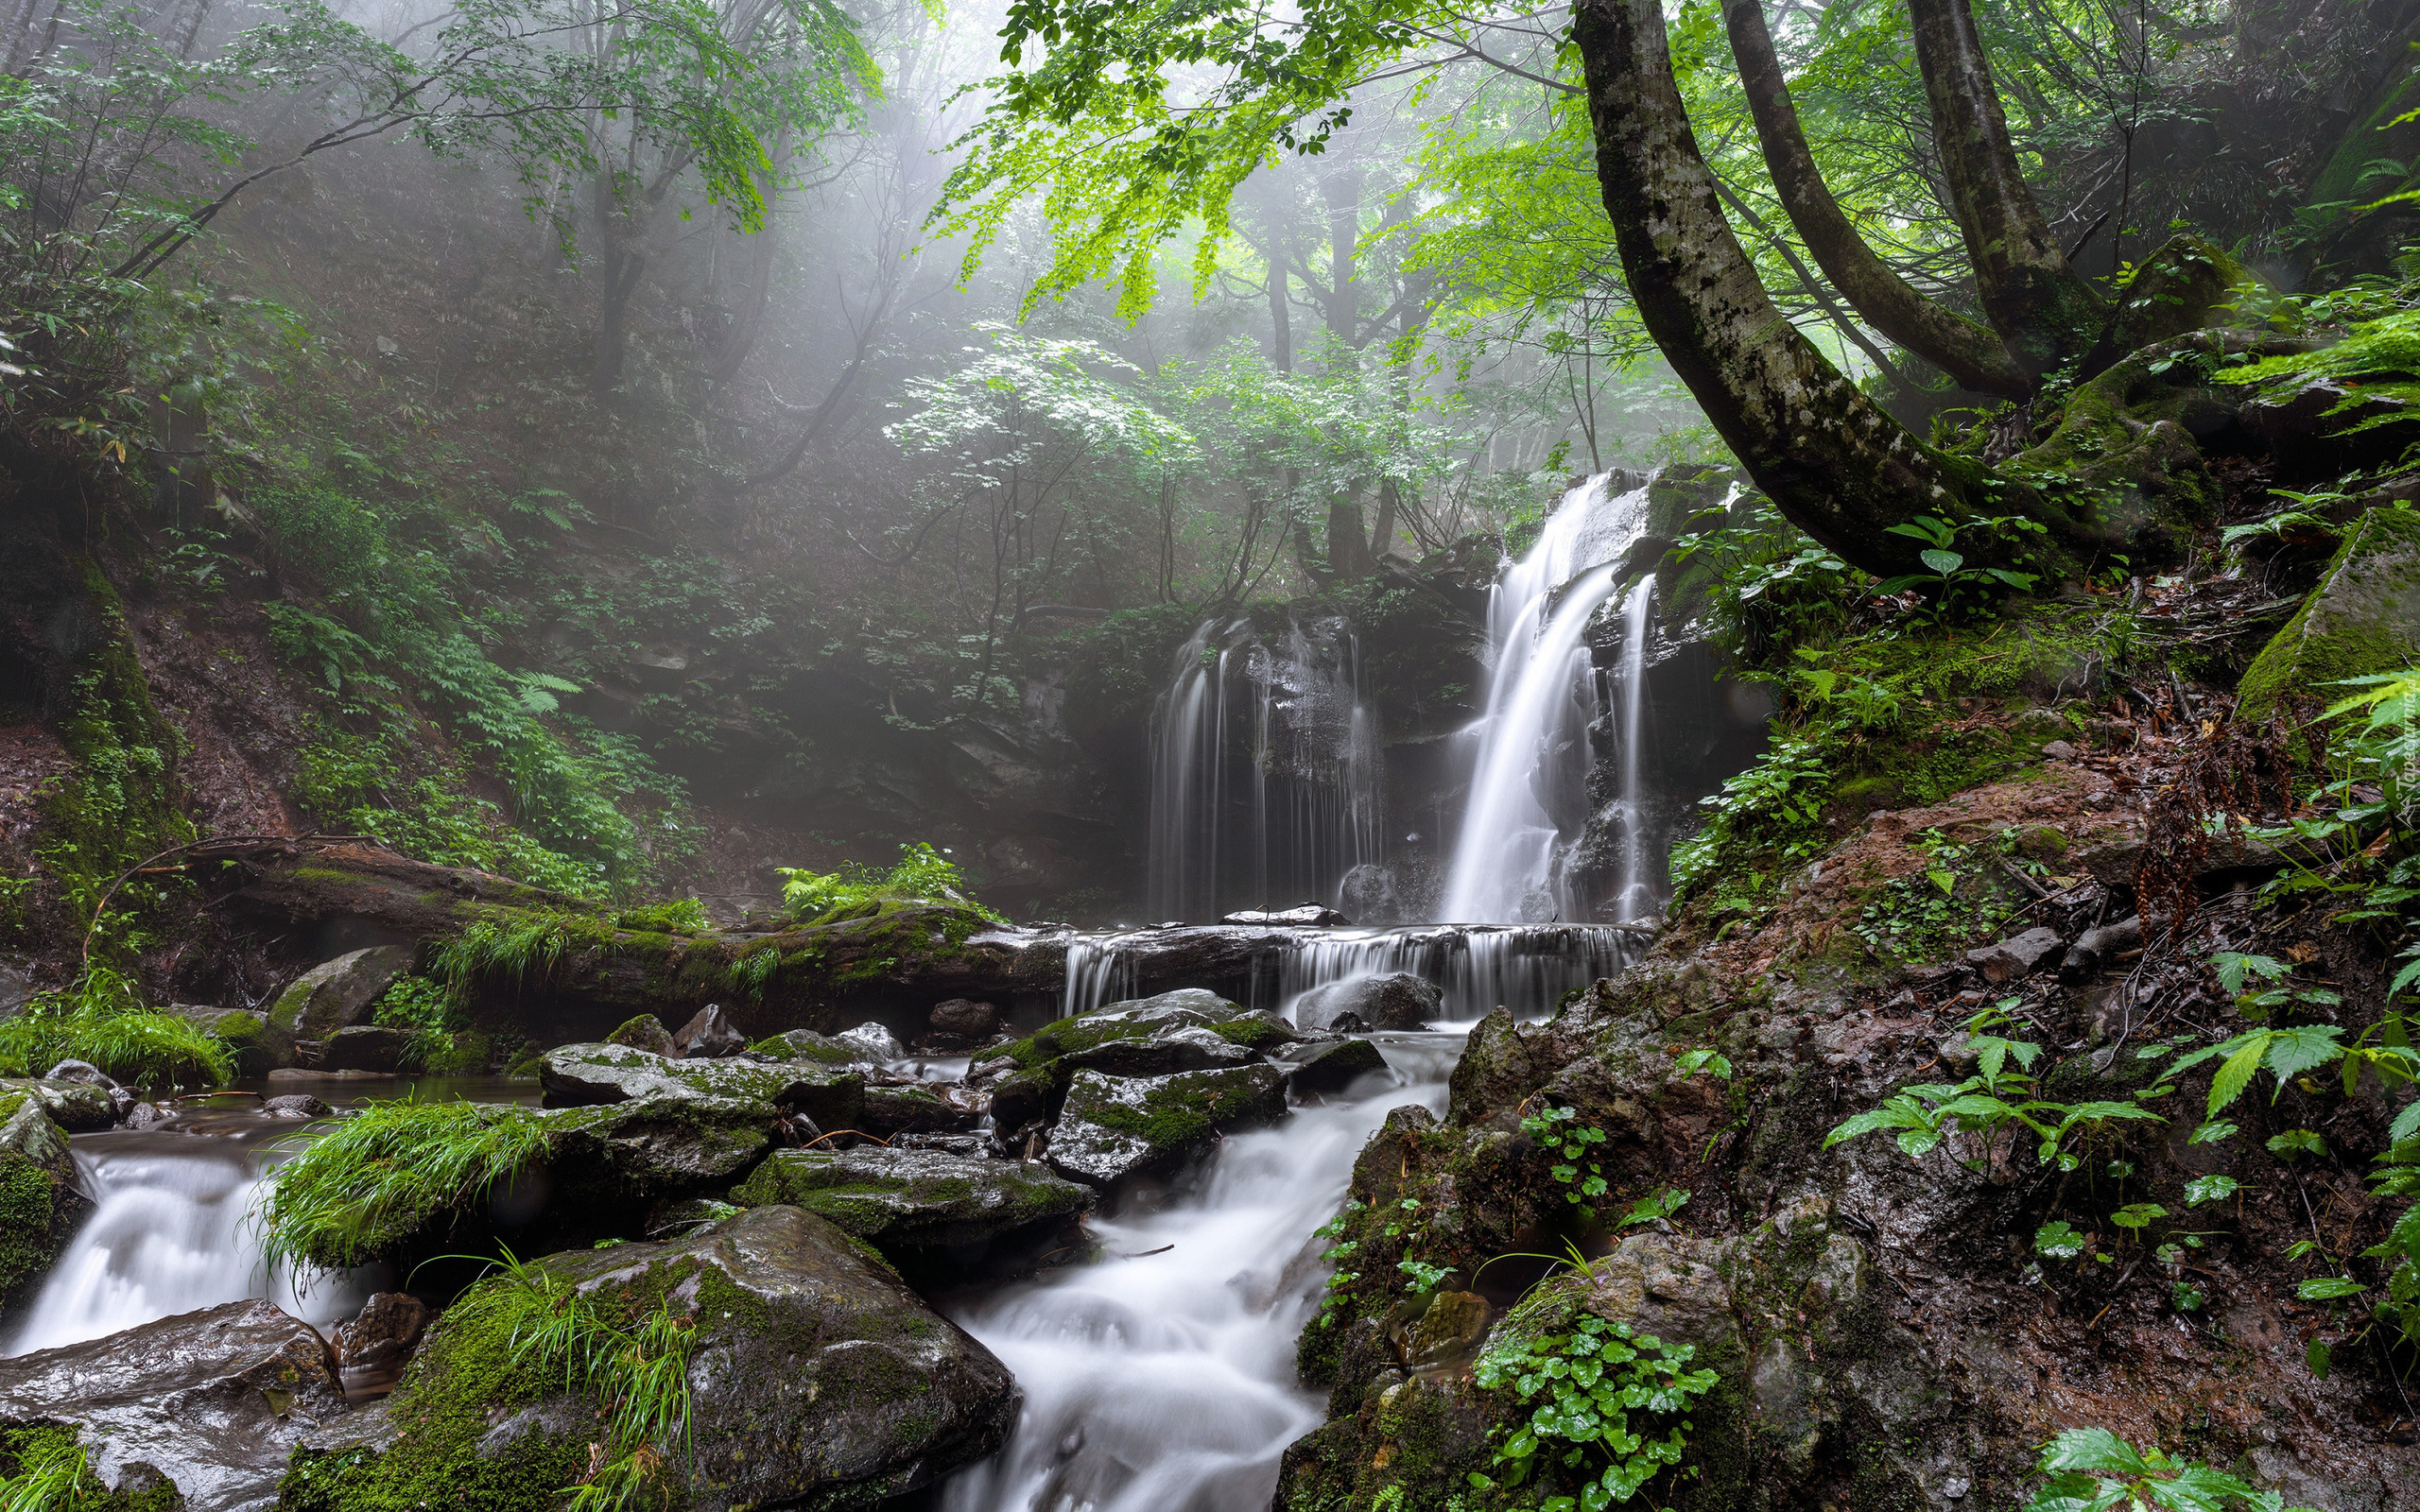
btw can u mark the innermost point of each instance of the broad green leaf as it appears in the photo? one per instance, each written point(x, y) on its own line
point(2213, 1188)
point(2235, 1075)
point(2095, 1450)
point(1943, 562)
point(2328, 1288)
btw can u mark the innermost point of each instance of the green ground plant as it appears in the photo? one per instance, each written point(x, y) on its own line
point(46, 1472)
point(357, 1191)
point(104, 1021)
point(1583, 1388)
point(922, 874)
point(2092, 1469)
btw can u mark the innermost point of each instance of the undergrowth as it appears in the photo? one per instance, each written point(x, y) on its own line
point(856, 890)
point(104, 1022)
point(358, 1191)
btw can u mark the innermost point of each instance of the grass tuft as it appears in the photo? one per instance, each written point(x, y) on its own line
point(360, 1192)
point(102, 1021)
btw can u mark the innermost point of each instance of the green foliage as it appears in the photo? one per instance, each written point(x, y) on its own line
point(2383, 353)
point(1996, 1099)
point(922, 874)
point(1951, 585)
point(362, 1191)
point(2092, 1469)
point(1953, 900)
point(1552, 1129)
point(46, 1472)
point(104, 1021)
point(1586, 1385)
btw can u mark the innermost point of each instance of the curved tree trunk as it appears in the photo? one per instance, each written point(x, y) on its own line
point(1831, 461)
point(1970, 352)
point(2032, 296)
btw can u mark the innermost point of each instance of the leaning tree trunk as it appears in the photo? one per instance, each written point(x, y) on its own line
point(1969, 352)
point(1830, 459)
point(2036, 300)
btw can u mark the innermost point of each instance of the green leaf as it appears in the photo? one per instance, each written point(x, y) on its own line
point(2138, 1214)
point(2316, 1357)
point(2215, 1188)
point(2296, 1142)
point(2094, 1451)
point(2059, 1240)
point(2235, 1075)
point(1943, 562)
point(2297, 1050)
point(2328, 1288)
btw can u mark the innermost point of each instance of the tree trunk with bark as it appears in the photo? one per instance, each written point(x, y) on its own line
point(1968, 351)
point(2045, 309)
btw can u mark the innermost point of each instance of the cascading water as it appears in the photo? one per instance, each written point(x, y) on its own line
point(171, 1232)
point(1528, 789)
point(1162, 1378)
point(1635, 895)
point(1265, 772)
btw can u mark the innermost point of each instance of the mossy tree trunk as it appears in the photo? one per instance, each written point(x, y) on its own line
point(2032, 296)
point(1970, 352)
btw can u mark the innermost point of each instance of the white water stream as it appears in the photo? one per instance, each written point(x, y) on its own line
point(170, 1232)
point(1529, 786)
point(1161, 1380)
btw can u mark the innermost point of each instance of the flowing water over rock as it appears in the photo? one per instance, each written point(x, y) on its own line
point(1161, 1380)
point(170, 1232)
point(1528, 789)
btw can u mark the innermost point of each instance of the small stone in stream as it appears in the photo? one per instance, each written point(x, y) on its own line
point(211, 1401)
point(708, 1034)
point(964, 1016)
point(2019, 955)
point(1389, 1000)
point(874, 1044)
point(1301, 916)
point(84, 1073)
point(296, 1105)
point(1116, 1127)
point(806, 1044)
point(373, 1047)
point(645, 1032)
point(144, 1115)
point(1333, 1068)
point(382, 1332)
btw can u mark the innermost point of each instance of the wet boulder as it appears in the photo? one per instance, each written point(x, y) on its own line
point(966, 1018)
point(382, 1333)
point(373, 1047)
point(1389, 1000)
point(1164, 1052)
point(708, 1034)
point(1301, 916)
point(808, 1046)
point(657, 1146)
point(599, 1075)
point(295, 1105)
point(1115, 1128)
point(916, 1200)
point(874, 1044)
point(337, 994)
point(2363, 617)
point(258, 1043)
point(1187, 1005)
point(80, 1098)
point(816, 1378)
point(39, 1194)
point(1332, 1068)
point(913, 1107)
point(645, 1032)
point(210, 1403)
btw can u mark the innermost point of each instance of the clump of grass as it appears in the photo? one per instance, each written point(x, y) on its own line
point(677, 915)
point(45, 1471)
point(638, 1369)
point(513, 954)
point(103, 1021)
point(362, 1191)
point(923, 875)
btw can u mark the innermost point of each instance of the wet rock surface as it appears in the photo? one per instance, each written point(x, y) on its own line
point(39, 1194)
point(382, 1333)
point(817, 1379)
point(337, 994)
point(916, 1200)
point(597, 1074)
point(1393, 1000)
point(1333, 1068)
point(210, 1401)
point(1113, 1129)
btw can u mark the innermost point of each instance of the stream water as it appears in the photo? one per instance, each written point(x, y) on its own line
point(1161, 1380)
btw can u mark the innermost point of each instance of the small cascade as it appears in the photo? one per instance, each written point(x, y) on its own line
point(1634, 898)
point(1266, 781)
point(1527, 968)
point(171, 1231)
point(1529, 788)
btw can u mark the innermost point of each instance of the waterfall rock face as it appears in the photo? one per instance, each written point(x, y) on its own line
point(816, 1378)
point(210, 1402)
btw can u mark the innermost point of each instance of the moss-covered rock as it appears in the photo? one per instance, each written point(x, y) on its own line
point(817, 1379)
point(337, 994)
point(908, 1200)
point(40, 1204)
point(599, 1075)
point(806, 1045)
point(1115, 1128)
point(894, 1109)
point(643, 1031)
point(2363, 617)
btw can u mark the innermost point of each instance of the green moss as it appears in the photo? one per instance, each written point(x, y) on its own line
point(30, 1239)
point(2363, 617)
point(1254, 1034)
point(27, 1453)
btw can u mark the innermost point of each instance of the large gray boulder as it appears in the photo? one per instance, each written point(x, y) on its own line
point(373, 1047)
point(597, 1074)
point(656, 1147)
point(37, 1190)
point(1164, 1052)
point(1335, 1066)
point(210, 1402)
point(817, 1379)
point(1389, 1000)
point(337, 994)
point(1187, 1005)
point(915, 1200)
point(1113, 1129)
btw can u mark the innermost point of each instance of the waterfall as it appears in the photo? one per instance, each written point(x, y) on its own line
point(1529, 790)
point(1634, 898)
point(1267, 785)
point(171, 1231)
point(1525, 967)
point(1162, 1378)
